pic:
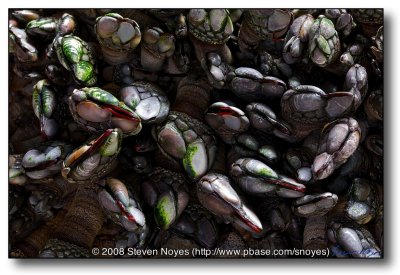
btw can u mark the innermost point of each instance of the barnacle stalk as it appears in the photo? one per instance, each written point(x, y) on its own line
point(31, 245)
point(74, 236)
point(209, 30)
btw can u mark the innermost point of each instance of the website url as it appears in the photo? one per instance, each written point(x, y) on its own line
point(249, 252)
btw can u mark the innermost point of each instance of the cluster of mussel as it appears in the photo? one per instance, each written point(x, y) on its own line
point(201, 128)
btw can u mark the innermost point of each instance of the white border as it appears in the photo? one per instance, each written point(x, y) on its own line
point(392, 112)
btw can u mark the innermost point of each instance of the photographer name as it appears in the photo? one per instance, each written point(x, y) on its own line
point(154, 252)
